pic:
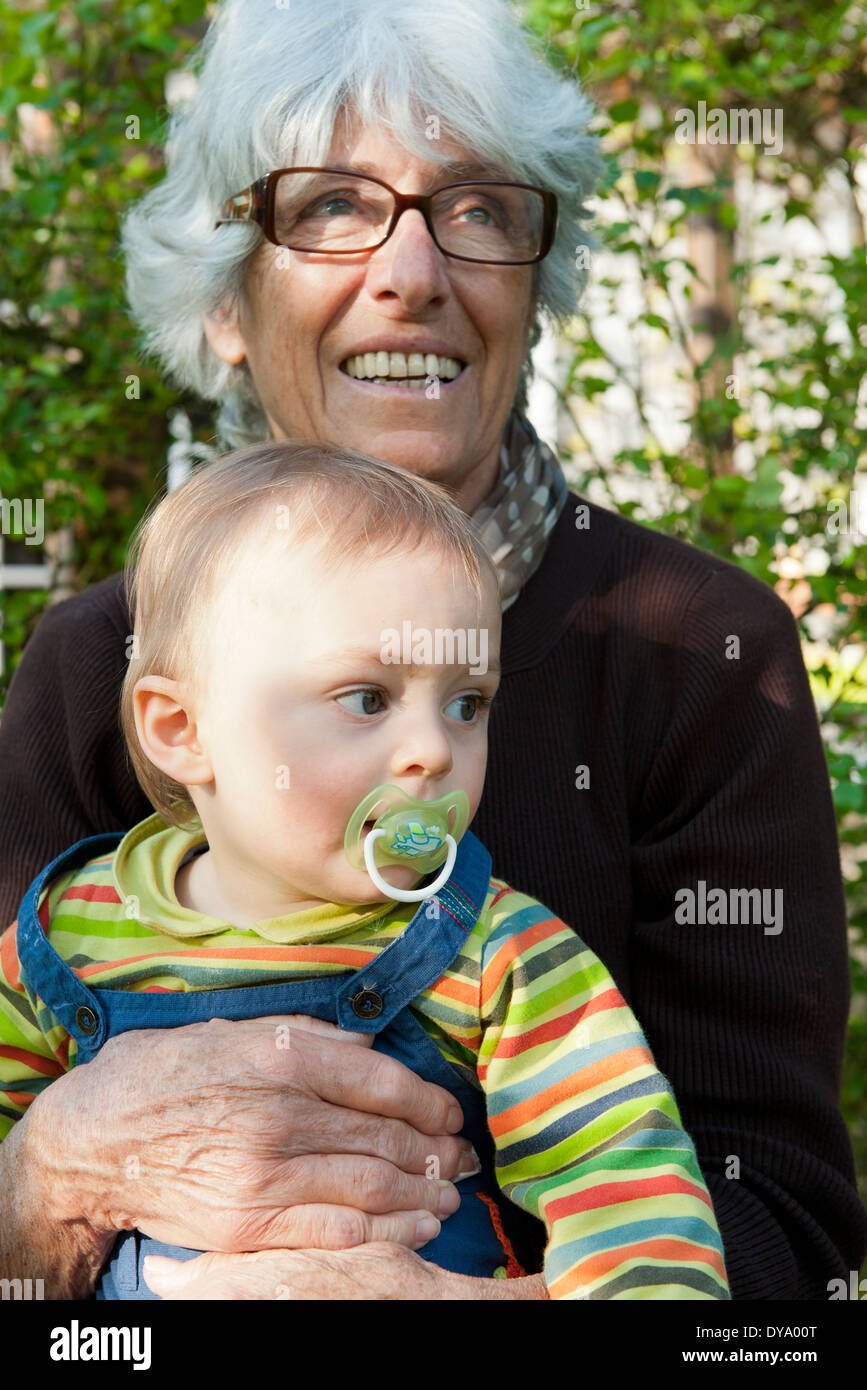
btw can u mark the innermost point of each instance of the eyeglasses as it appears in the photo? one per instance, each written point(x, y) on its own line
point(332, 212)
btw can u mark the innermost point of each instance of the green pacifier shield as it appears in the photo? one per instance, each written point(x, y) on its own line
point(414, 831)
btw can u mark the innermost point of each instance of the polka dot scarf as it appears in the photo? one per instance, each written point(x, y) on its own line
point(517, 517)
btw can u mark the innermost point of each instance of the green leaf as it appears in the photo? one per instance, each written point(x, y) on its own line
point(646, 181)
point(849, 796)
point(731, 486)
point(591, 386)
point(623, 111)
point(655, 321)
point(693, 477)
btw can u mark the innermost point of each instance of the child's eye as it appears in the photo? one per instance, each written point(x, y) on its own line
point(468, 706)
point(367, 701)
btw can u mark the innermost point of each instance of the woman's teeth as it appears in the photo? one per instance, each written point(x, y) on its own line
point(413, 369)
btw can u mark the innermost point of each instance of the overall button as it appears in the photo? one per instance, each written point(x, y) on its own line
point(367, 1003)
point(87, 1021)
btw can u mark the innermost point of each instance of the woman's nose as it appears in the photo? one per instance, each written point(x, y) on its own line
point(409, 266)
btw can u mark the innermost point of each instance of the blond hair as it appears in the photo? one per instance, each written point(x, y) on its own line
point(180, 555)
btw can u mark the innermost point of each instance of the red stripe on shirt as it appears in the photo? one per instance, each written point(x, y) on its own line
point(614, 1193)
point(91, 893)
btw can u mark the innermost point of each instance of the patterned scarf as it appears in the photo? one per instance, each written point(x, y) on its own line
point(517, 517)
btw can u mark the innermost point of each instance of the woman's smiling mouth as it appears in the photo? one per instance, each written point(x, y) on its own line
point(409, 370)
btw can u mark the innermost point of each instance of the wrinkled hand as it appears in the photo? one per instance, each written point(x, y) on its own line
point(374, 1271)
point(268, 1133)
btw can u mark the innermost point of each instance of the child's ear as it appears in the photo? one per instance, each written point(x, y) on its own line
point(167, 731)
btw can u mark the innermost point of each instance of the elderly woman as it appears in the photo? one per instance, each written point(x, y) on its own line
point(355, 243)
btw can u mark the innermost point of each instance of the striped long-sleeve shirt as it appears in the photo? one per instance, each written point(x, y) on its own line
point(587, 1133)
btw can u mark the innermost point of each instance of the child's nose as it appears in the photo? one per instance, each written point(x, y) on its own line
point(424, 751)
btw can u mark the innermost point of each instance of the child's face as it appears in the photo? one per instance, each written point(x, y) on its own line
point(306, 711)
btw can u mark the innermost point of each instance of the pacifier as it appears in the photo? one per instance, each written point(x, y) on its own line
point(406, 831)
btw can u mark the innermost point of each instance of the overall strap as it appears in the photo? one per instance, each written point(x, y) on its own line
point(56, 983)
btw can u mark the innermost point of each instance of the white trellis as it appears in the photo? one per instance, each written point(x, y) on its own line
point(184, 451)
point(543, 401)
point(55, 573)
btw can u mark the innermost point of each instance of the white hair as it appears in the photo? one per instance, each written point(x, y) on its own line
point(273, 77)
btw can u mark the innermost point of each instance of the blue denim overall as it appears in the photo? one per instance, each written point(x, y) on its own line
point(375, 999)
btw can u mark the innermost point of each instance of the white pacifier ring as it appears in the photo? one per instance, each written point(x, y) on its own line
point(408, 895)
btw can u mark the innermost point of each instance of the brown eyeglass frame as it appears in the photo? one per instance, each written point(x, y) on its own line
point(256, 204)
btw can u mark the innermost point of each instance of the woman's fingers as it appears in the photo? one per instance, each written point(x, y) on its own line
point(370, 1186)
point(338, 1200)
point(322, 1128)
point(315, 1225)
point(376, 1083)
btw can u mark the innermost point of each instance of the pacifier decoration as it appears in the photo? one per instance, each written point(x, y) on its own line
point(420, 834)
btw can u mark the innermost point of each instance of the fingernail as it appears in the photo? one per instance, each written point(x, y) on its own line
point(472, 1164)
point(470, 1172)
point(450, 1198)
point(455, 1119)
point(426, 1229)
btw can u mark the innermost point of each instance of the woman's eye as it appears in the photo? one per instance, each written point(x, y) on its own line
point(466, 707)
point(480, 215)
point(331, 206)
point(362, 701)
point(484, 213)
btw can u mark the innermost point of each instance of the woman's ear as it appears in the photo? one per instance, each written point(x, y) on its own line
point(167, 730)
point(224, 335)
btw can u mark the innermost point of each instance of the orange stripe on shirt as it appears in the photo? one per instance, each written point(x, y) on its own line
point(276, 953)
point(570, 1088)
point(9, 963)
point(461, 990)
point(602, 1262)
point(512, 948)
point(19, 1100)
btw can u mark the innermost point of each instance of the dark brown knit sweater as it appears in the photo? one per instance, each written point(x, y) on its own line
point(702, 766)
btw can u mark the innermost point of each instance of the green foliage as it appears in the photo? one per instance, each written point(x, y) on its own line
point(74, 432)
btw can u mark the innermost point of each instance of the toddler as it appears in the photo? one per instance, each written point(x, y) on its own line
point(315, 650)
